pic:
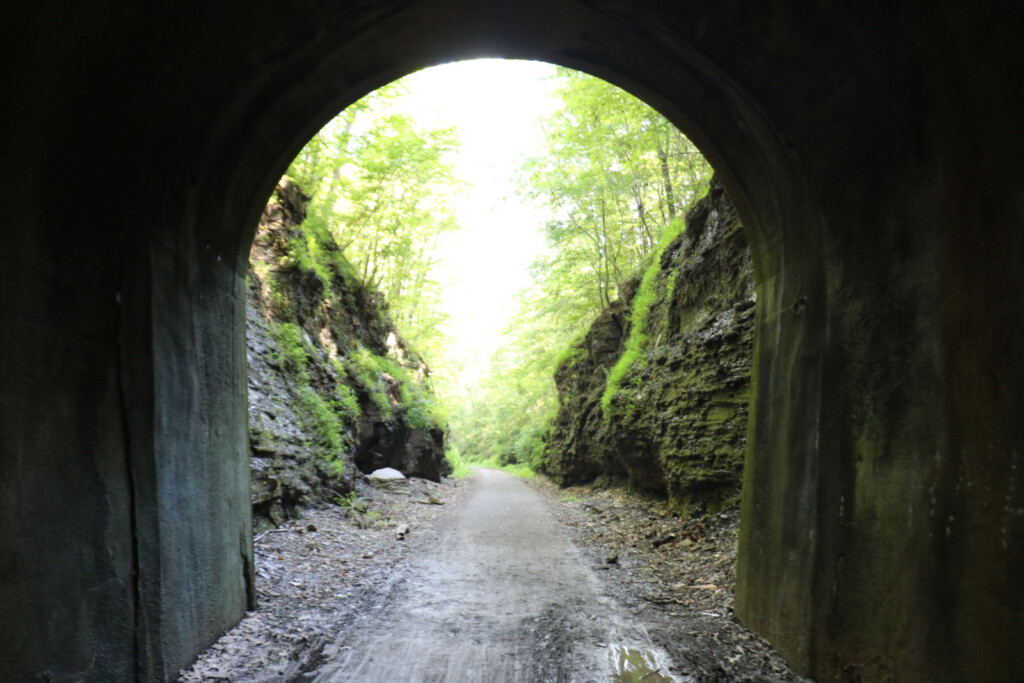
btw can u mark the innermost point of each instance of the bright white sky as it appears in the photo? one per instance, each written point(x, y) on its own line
point(495, 106)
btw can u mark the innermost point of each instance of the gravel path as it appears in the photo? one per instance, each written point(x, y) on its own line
point(498, 593)
point(503, 581)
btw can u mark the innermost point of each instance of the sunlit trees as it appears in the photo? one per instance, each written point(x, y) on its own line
point(617, 177)
point(615, 173)
point(382, 185)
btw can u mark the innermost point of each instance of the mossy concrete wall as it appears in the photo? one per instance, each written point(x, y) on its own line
point(873, 152)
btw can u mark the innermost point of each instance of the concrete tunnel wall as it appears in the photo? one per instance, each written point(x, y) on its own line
point(873, 155)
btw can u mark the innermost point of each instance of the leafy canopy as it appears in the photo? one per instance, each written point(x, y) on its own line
point(383, 187)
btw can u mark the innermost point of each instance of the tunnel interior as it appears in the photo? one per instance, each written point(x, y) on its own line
point(872, 156)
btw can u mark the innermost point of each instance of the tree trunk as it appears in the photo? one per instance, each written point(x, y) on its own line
point(666, 179)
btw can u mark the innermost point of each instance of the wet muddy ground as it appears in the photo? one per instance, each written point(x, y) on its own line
point(504, 582)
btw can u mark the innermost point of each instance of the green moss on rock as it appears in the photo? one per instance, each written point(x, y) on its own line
point(332, 386)
point(674, 418)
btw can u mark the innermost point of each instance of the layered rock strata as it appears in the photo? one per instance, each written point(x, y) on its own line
point(331, 382)
point(676, 424)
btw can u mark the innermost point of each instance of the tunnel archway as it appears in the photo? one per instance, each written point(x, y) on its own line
point(857, 143)
point(703, 102)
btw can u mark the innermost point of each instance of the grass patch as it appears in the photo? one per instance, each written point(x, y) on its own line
point(573, 352)
point(290, 347)
point(460, 470)
point(369, 369)
point(346, 402)
point(521, 470)
point(322, 419)
point(346, 501)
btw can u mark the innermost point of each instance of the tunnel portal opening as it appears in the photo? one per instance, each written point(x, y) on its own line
point(360, 223)
point(335, 391)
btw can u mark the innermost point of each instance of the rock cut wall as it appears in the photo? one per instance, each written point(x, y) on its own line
point(677, 424)
point(333, 388)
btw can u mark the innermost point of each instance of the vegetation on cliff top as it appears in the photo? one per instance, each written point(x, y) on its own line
point(381, 188)
point(666, 404)
point(394, 380)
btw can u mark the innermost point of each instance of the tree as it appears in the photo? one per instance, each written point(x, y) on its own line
point(615, 174)
point(382, 186)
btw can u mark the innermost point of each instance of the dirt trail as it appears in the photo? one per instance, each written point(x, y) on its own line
point(496, 583)
point(495, 592)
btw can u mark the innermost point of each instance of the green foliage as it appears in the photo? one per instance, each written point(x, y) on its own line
point(291, 348)
point(323, 417)
point(381, 188)
point(571, 354)
point(419, 405)
point(278, 299)
point(615, 173)
point(371, 373)
point(347, 501)
point(319, 414)
point(378, 188)
point(636, 343)
point(393, 386)
point(521, 470)
point(507, 415)
point(460, 470)
point(346, 403)
point(306, 251)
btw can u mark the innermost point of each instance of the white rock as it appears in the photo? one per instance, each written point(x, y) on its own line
point(386, 474)
point(389, 479)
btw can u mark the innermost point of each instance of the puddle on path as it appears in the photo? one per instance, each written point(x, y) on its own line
point(630, 665)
